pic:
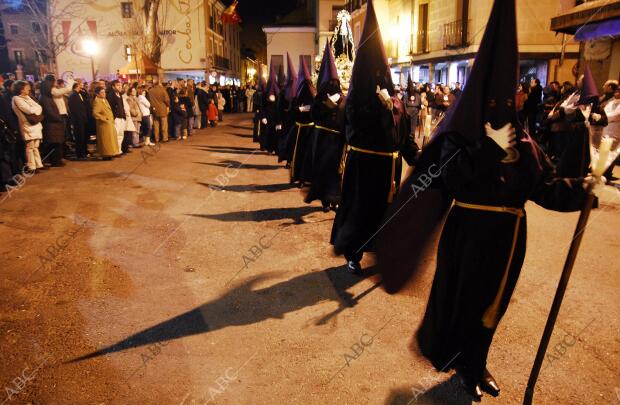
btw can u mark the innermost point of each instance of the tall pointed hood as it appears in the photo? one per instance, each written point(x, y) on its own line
point(272, 85)
point(489, 95)
point(589, 92)
point(410, 86)
point(291, 78)
point(305, 89)
point(371, 68)
point(262, 84)
point(281, 76)
point(328, 69)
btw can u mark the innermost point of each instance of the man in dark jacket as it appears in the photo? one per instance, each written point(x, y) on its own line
point(531, 105)
point(78, 111)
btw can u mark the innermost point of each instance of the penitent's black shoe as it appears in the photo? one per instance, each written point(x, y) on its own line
point(471, 387)
point(354, 267)
point(488, 384)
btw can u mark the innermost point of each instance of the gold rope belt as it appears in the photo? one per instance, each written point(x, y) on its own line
point(299, 127)
point(327, 129)
point(490, 319)
point(394, 155)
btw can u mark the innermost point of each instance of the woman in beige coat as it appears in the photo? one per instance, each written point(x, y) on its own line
point(107, 143)
point(32, 134)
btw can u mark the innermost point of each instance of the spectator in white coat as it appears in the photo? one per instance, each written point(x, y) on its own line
point(32, 134)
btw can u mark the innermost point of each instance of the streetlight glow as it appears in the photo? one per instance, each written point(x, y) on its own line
point(90, 47)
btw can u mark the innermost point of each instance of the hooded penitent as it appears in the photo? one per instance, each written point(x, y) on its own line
point(488, 97)
point(371, 67)
point(483, 239)
point(281, 77)
point(269, 136)
point(377, 138)
point(328, 81)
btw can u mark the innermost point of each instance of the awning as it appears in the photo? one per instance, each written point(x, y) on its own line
point(578, 18)
point(588, 32)
point(141, 65)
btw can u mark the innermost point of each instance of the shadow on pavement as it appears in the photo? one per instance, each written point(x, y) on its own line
point(244, 305)
point(241, 127)
point(256, 188)
point(267, 214)
point(234, 151)
point(239, 165)
point(448, 392)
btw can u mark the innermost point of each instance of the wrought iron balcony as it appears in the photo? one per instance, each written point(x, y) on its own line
point(221, 62)
point(455, 34)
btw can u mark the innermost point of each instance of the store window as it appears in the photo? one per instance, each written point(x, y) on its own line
point(19, 57)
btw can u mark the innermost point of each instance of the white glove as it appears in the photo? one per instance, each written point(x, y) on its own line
point(412, 98)
point(272, 98)
point(504, 137)
point(334, 98)
point(586, 110)
point(304, 108)
point(278, 127)
point(385, 98)
point(598, 184)
point(264, 121)
point(596, 117)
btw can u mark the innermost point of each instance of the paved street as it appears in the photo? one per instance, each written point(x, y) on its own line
point(195, 274)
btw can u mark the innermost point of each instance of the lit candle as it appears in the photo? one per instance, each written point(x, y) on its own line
point(427, 126)
point(603, 155)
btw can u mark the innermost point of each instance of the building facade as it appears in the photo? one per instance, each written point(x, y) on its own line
point(437, 40)
point(108, 39)
point(223, 46)
point(25, 41)
point(295, 33)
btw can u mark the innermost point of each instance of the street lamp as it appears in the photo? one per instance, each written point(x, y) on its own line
point(91, 48)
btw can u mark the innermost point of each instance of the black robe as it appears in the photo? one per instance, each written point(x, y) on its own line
point(299, 142)
point(257, 101)
point(269, 135)
point(327, 149)
point(284, 111)
point(366, 182)
point(475, 247)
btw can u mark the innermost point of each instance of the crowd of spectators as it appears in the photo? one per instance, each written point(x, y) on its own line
point(44, 123)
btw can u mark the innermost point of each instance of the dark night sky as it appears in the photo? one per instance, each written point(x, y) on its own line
point(257, 13)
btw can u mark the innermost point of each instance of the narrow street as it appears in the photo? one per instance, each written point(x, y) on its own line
point(195, 274)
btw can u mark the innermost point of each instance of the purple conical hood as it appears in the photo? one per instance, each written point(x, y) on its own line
point(371, 68)
point(328, 69)
point(272, 84)
point(489, 94)
point(262, 84)
point(291, 82)
point(304, 81)
point(589, 92)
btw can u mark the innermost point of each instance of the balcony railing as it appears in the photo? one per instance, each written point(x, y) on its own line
point(221, 62)
point(455, 35)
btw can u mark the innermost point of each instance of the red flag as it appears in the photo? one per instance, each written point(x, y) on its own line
point(66, 28)
point(92, 27)
point(230, 15)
